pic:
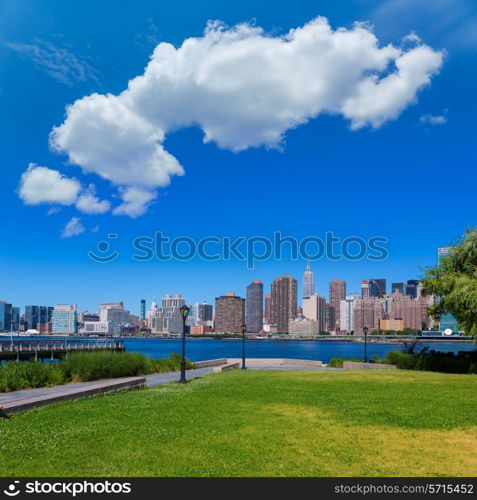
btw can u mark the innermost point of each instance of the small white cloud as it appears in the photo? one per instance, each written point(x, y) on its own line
point(53, 211)
point(433, 120)
point(44, 185)
point(73, 228)
point(136, 201)
point(58, 62)
point(95, 229)
point(89, 203)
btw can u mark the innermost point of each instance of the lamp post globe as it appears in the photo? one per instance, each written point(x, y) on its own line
point(244, 329)
point(184, 310)
point(365, 331)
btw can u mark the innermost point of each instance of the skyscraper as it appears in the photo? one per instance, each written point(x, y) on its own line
point(347, 312)
point(202, 314)
point(314, 308)
point(167, 317)
point(337, 294)
point(364, 289)
point(64, 319)
point(229, 313)
point(268, 309)
point(142, 315)
point(400, 287)
point(5, 317)
point(308, 281)
point(377, 287)
point(254, 307)
point(283, 302)
point(411, 288)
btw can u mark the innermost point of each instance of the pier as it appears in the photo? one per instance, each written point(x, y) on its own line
point(37, 350)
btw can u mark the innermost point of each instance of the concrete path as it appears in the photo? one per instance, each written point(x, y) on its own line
point(151, 381)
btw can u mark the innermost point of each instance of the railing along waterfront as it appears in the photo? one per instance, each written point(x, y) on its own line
point(34, 349)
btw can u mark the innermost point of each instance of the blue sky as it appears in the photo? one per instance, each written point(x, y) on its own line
point(411, 179)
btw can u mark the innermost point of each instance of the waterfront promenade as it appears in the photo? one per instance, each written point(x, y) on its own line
point(48, 395)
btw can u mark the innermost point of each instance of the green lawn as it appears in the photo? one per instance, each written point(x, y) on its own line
point(257, 423)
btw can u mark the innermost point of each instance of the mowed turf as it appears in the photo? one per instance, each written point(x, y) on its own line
point(257, 423)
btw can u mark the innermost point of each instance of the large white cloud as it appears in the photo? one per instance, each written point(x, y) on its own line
point(44, 185)
point(244, 89)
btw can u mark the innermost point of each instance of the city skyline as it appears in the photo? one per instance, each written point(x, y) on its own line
point(136, 305)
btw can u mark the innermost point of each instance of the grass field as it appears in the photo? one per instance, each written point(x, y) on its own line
point(257, 423)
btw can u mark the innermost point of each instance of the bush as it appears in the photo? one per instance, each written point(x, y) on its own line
point(84, 367)
point(338, 362)
point(15, 376)
point(447, 362)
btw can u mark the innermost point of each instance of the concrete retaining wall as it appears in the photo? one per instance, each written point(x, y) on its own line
point(210, 362)
point(276, 361)
point(228, 366)
point(352, 365)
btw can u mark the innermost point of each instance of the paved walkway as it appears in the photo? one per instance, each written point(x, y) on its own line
point(151, 380)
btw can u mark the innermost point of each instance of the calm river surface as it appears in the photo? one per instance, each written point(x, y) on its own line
point(322, 350)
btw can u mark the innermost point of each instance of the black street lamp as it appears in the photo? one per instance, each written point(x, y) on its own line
point(244, 329)
point(365, 330)
point(184, 313)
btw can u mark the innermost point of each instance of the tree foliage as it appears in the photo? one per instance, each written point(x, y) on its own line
point(454, 281)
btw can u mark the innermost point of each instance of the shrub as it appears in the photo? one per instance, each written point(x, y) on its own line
point(338, 362)
point(447, 362)
point(84, 367)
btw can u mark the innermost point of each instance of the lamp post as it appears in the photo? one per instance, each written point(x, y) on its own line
point(365, 330)
point(244, 329)
point(184, 310)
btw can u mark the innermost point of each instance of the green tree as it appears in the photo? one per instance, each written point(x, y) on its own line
point(454, 282)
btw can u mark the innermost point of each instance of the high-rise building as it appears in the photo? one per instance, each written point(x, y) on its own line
point(330, 317)
point(314, 308)
point(409, 310)
point(166, 318)
point(337, 294)
point(268, 308)
point(16, 319)
point(254, 307)
point(347, 312)
point(400, 287)
point(308, 281)
point(367, 311)
point(202, 315)
point(283, 302)
point(229, 313)
point(64, 319)
point(5, 317)
point(114, 311)
point(142, 314)
point(303, 326)
point(35, 315)
point(411, 288)
point(377, 287)
point(364, 289)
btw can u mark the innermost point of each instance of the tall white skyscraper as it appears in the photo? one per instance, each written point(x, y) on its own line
point(167, 318)
point(308, 281)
